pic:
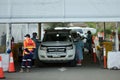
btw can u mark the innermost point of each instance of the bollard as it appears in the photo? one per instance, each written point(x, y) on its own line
point(105, 58)
point(94, 55)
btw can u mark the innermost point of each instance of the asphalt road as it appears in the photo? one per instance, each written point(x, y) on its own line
point(85, 72)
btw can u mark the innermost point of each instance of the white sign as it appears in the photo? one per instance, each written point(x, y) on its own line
point(113, 60)
point(5, 61)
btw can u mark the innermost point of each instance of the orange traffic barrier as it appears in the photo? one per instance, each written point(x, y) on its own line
point(94, 56)
point(1, 69)
point(105, 58)
point(11, 67)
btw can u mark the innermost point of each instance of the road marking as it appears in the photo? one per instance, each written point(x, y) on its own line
point(62, 69)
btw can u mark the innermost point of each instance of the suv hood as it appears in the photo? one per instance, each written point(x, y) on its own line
point(57, 43)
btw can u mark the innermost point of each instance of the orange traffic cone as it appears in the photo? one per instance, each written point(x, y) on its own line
point(1, 69)
point(11, 64)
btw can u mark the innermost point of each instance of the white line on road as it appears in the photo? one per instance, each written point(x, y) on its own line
point(62, 69)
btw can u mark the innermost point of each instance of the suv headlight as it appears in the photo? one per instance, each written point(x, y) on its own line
point(43, 47)
point(69, 47)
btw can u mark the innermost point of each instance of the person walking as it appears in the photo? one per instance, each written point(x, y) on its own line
point(29, 47)
point(79, 49)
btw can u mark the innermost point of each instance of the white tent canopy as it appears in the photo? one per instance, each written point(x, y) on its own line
point(16, 11)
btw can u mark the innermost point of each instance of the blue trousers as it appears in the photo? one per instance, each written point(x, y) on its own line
point(27, 61)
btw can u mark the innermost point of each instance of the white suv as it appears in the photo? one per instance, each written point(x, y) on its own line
point(57, 46)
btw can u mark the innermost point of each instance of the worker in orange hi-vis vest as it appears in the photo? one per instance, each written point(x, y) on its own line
point(29, 47)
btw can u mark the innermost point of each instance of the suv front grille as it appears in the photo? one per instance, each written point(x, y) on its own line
point(56, 57)
point(56, 50)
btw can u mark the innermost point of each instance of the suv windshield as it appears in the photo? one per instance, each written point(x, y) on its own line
point(78, 30)
point(57, 36)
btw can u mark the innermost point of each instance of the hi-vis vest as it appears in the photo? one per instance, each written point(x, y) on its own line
point(29, 44)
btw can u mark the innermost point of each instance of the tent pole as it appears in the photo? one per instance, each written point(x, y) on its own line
point(39, 31)
point(116, 38)
point(104, 31)
point(8, 37)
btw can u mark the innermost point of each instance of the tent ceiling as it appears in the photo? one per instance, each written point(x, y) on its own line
point(16, 11)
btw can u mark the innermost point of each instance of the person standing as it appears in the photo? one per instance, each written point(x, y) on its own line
point(29, 47)
point(79, 49)
point(89, 42)
point(34, 38)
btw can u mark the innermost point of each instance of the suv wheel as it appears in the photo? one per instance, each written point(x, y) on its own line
point(73, 62)
point(39, 63)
